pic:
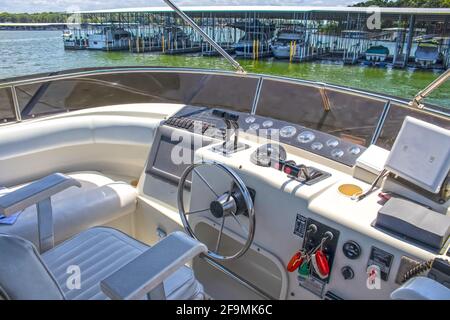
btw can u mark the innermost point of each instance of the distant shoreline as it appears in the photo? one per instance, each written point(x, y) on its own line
point(24, 26)
point(31, 29)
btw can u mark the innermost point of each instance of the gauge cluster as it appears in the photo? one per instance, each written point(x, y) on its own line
point(317, 142)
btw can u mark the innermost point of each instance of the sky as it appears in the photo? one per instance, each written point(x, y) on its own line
point(69, 5)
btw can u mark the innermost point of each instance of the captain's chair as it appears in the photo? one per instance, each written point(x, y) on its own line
point(97, 201)
point(98, 263)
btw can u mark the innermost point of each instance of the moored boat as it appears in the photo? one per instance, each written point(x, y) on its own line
point(73, 42)
point(253, 44)
point(377, 53)
point(427, 54)
point(285, 42)
point(109, 39)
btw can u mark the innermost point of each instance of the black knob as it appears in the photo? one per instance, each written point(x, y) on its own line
point(347, 273)
point(351, 250)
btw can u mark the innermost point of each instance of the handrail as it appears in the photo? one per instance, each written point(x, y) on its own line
point(210, 40)
point(417, 100)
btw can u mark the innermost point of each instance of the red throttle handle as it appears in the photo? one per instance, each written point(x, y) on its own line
point(320, 264)
point(295, 262)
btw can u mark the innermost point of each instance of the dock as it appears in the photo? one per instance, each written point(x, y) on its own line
point(328, 33)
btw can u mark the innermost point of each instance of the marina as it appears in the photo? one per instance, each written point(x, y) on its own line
point(33, 52)
point(410, 37)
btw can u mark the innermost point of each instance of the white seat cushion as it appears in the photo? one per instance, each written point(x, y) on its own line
point(99, 252)
point(98, 201)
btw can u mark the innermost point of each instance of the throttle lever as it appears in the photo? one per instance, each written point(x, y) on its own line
point(231, 121)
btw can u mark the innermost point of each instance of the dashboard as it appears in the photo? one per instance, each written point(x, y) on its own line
point(293, 214)
point(314, 141)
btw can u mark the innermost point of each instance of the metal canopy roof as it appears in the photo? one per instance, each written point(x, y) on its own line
point(276, 10)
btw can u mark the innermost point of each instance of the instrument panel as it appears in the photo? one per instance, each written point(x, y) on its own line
point(314, 141)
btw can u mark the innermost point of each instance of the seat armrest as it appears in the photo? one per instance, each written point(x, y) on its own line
point(145, 274)
point(38, 193)
point(35, 192)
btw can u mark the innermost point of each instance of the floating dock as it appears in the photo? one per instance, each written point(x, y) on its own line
point(328, 33)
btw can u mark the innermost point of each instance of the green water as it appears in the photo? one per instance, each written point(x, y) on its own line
point(28, 52)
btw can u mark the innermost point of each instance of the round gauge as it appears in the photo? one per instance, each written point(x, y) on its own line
point(250, 119)
point(306, 137)
point(267, 123)
point(288, 131)
point(354, 150)
point(337, 153)
point(254, 126)
point(333, 143)
point(317, 146)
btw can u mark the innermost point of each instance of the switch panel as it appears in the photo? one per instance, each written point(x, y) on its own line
point(313, 239)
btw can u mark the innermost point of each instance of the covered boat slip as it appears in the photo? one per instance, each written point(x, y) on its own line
point(106, 140)
point(328, 33)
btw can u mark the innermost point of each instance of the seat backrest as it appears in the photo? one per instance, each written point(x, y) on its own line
point(23, 275)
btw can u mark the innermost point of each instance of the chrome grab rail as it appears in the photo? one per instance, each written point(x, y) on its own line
point(417, 100)
point(210, 40)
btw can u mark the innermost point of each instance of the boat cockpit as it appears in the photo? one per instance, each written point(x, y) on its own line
point(173, 183)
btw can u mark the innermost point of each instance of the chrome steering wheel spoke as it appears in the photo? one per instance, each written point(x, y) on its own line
point(205, 182)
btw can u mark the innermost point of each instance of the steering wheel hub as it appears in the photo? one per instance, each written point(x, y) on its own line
point(223, 206)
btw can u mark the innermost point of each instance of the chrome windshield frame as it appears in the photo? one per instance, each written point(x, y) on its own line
point(123, 70)
point(12, 85)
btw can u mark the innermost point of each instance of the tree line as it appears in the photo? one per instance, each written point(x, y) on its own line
point(405, 3)
point(43, 17)
point(59, 17)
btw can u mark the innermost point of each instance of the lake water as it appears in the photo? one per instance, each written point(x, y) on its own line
point(28, 52)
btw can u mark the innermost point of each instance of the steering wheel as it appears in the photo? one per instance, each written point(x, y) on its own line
point(235, 202)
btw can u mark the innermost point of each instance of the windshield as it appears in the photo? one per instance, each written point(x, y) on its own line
point(336, 48)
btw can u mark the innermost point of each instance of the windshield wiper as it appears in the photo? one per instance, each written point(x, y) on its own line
point(417, 100)
point(216, 46)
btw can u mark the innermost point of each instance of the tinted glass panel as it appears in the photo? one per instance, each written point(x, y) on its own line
point(351, 117)
point(233, 92)
point(394, 121)
point(6, 106)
